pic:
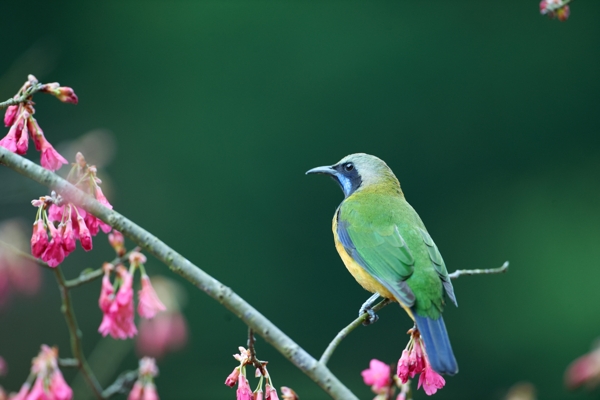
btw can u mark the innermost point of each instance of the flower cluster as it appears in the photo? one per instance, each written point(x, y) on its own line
point(116, 300)
point(414, 361)
point(49, 382)
point(144, 388)
point(244, 392)
point(67, 222)
point(22, 124)
point(555, 9)
point(17, 274)
point(379, 377)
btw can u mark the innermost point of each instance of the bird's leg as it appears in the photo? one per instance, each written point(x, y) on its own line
point(366, 308)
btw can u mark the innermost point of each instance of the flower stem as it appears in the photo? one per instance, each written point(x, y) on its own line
point(75, 334)
point(23, 97)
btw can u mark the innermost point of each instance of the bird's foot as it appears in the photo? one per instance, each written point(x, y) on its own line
point(367, 308)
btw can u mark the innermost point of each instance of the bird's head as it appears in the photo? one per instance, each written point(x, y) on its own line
point(359, 171)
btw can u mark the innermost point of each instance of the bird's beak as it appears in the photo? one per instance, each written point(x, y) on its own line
point(327, 170)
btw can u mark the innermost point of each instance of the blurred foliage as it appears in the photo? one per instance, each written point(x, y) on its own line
point(486, 111)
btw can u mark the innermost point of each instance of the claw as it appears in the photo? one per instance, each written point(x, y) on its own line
point(366, 308)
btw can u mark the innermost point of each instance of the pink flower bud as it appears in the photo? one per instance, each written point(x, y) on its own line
point(116, 240)
point(68, 236)
point(85, 238)
point(37, 135)
point(243, 391)
point(136, 392)
point(22, 137)
point(63, 93)
point(288, 394)
point(233, 377)
point(118, 319)
point(39, 239)
point(149, 304)
point(10, 115)
point(9, 141)
point(54, 253)
point(271, 392)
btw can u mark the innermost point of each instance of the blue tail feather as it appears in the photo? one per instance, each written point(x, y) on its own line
point(437, 344)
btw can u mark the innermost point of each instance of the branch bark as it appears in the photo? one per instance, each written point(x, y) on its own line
point(318, 372)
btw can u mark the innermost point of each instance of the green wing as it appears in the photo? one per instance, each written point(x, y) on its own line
point(382, 252)
point(439, 265)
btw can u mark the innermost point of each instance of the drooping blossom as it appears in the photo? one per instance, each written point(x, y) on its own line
point(377, 375)
point(10, 115)
point(39, 239)
point(51, 159)
point(286, 392)
point(54, 253)
point(243, 391)
point(116, 240)
point(117, 308)
point(148, 304)
point(68, 236)
point(232, 378)
point(144, 388)
point(430, 380)
point(49, 383)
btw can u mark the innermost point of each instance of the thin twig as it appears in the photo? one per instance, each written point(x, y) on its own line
point(75, 333)
point(122, 384)
point(255, 361)
point(358, 321)
point(68, 362)
point(89, 276)
point(460, 272)
point(344, 332)
point(23, 97)
point(318, 372)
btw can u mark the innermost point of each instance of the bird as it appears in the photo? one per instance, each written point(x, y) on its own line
point(387, 249)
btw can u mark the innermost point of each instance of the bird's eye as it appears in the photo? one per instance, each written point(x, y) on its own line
point(348, 167)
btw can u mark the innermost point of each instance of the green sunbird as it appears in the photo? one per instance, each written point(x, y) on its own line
point(389, 252)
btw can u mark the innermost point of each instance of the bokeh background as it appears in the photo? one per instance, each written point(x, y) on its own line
point(488, 113)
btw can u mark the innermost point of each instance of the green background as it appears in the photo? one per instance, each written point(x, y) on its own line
point(488, 113)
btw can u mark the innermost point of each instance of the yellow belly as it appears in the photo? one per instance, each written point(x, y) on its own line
point(363, 278)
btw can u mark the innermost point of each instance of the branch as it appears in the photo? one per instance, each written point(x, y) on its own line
point(318, 372)
point(22, 98)
point(460, 272)
point(75, 333)
point(346, 331)
point(358, 321)
point(89, 276)
point(123, 383)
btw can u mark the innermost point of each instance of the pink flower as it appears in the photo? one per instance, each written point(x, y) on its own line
point(107, 290)
point(378, 375)
point(68, 236)
point(149, 304)
point(243, 391)
point(9, 141)
point(258, 395)
point(54, 253)
point(39, 239)
point(37, 135)
point(63, 93)
point(144, 388)
point(85, 238)
point(136, 392)
point(92, 224)
point(431, 381)
point(288, 393)
point(116, 240)
point(271, 393)
point(51, 160)
point(22, 395)
point(21, 134)
point(233, 377)
point(118, 321)
point(10, 115)
point(49, 384)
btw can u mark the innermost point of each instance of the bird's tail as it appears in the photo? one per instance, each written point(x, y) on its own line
point(437, 344)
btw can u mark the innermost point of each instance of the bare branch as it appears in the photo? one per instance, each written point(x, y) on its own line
point(318, 372)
